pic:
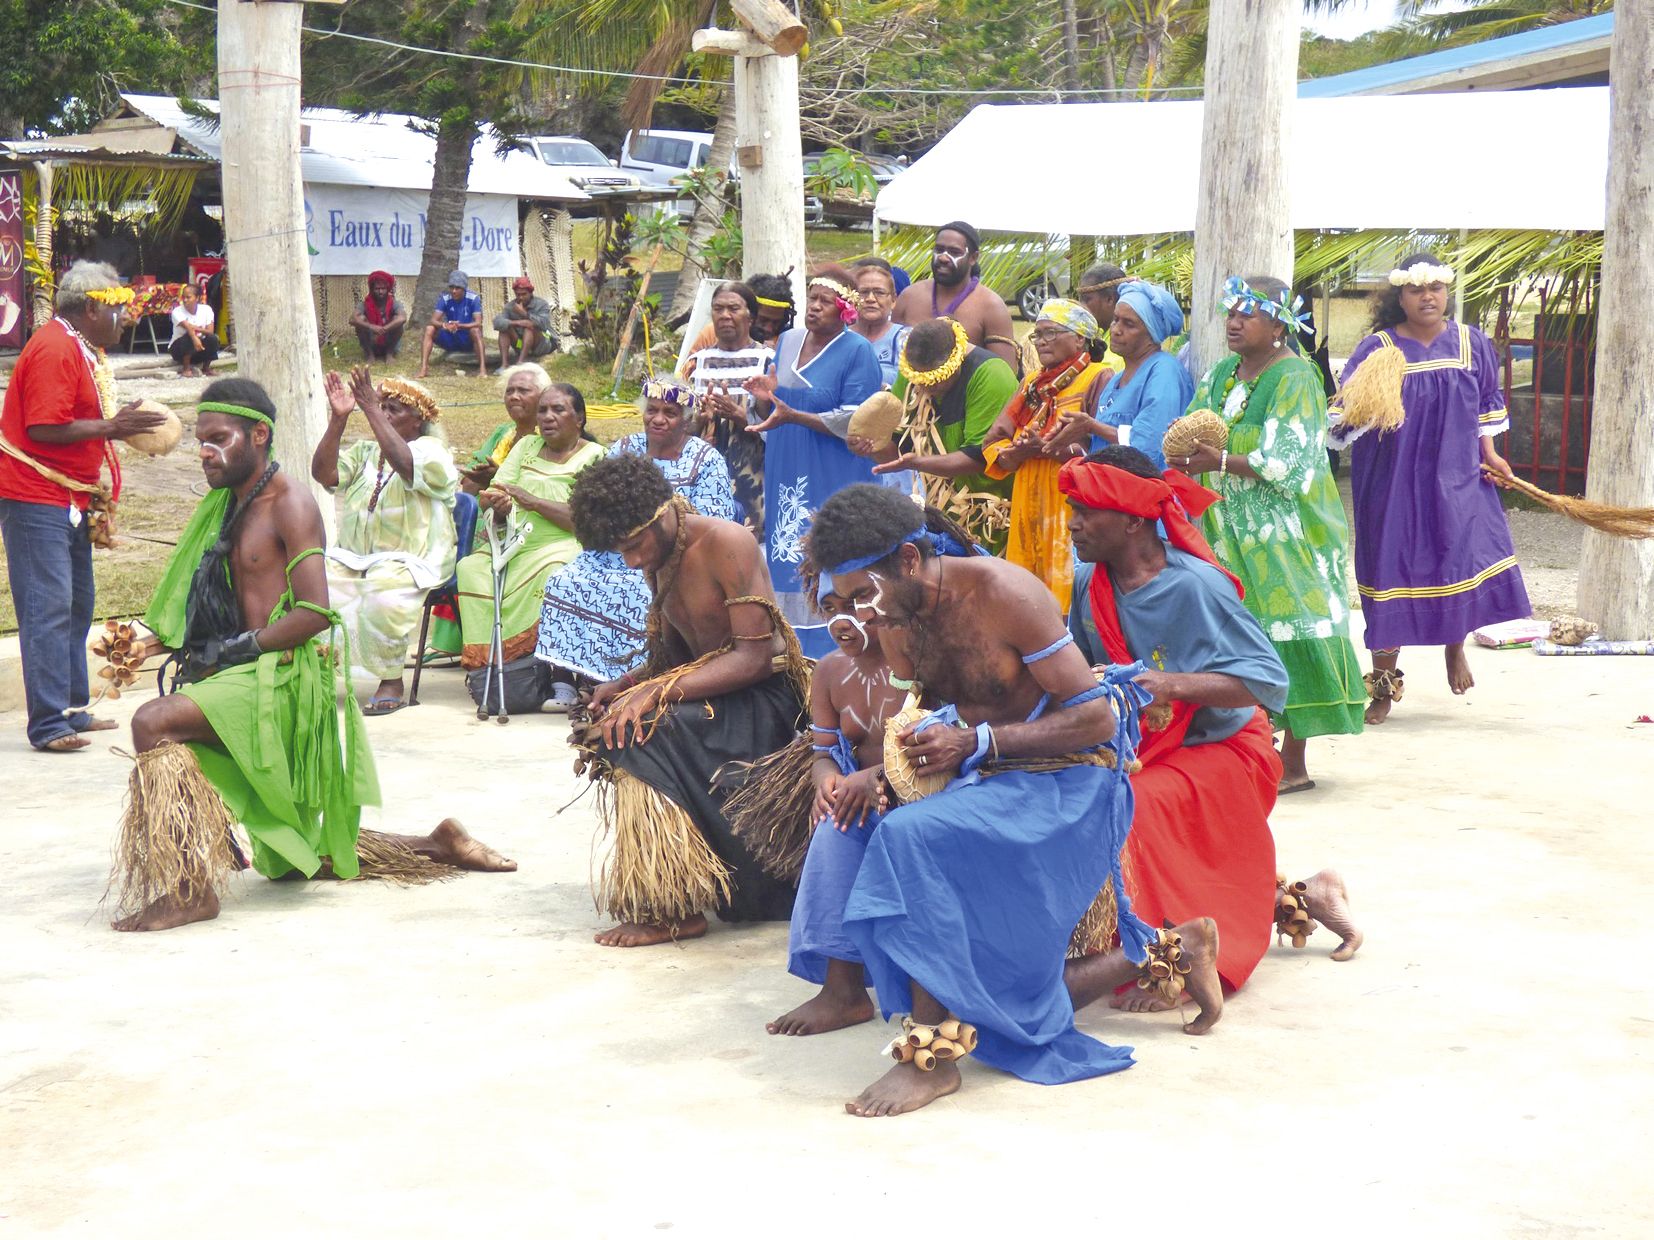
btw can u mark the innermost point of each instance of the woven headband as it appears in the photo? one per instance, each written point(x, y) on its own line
point(235, 411)
point(655, 516)
point(772, 302)
point(1103, 285)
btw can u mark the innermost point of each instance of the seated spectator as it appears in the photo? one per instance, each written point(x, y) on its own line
point(524, 324)
point(522, 384)
point(531, 489)
point(456, 326)
point(381, 320)
point(193, 342)
point(396, 526)
point(592, 623)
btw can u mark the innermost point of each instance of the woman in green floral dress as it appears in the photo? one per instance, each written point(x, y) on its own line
point(1281, 526)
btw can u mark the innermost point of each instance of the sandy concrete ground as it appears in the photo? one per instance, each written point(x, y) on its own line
point(372, 1060)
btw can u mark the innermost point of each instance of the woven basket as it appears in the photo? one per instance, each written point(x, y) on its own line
point(877, 418)
point(908, 782)
point(1193, 429)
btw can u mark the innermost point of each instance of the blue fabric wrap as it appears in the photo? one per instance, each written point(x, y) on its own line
point(940, 542)
point(1155, 306)
point(830, 867)
point(974, 892)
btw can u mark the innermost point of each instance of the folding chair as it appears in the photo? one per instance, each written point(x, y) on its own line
point(465, 530)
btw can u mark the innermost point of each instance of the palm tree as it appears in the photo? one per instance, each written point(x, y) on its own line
point(1420, 30)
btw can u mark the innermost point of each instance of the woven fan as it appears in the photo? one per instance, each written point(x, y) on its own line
point(877, 418)
point(1372, 395)
point(1193, 429)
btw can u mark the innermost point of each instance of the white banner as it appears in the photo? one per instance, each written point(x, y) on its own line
point(354, 229)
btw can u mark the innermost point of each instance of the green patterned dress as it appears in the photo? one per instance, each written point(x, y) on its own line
point(1284, 534)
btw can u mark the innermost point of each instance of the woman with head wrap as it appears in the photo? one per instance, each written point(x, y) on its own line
point(396, 525)
point(1153, 390)
point(1022, 444)
point(1281, 527)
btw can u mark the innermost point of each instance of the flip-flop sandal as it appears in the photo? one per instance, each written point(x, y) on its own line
point(71, 743)
point(1286, 790)
point(383, 706)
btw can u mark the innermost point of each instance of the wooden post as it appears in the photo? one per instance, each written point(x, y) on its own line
point(768, 149)
point(1243, 225)
point(264, 224)
point(770, 154)
point(1616, 575)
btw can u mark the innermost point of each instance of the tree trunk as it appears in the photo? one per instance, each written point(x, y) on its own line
point(772, 167)
point(1071, 44)
point(1616, 575)
point(264, 225)
point(444, 217)
point(1243, 217)
point(708, 214)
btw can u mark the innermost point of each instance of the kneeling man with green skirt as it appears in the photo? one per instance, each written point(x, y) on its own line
point(252, 732)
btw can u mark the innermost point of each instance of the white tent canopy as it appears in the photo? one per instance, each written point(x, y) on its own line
point(1512, 159)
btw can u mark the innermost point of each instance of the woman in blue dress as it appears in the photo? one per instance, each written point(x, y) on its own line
point(1153, 389)
point(822, 372)
point(592, 621)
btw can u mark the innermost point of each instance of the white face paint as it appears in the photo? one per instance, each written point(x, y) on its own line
point(858, 626)
point(212, 452)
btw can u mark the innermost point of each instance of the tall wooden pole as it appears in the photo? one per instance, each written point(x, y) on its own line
point(264, 225)
point(1616, 575)
point(770, 154)
point(1242, 222)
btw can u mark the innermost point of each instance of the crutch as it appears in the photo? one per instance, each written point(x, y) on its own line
point(500, 550)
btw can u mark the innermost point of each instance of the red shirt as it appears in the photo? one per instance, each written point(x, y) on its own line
point(51, 384)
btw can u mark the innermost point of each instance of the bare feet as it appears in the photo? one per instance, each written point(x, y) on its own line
point(1378, 710)
point(454, 845)
point(66, 744)
point(904, 1088)
point(1329, 904)
point(170, 912)
point(636, 934)
point(1459, 678)
point(98, 725)
point(829, 1010)
point(1201, 984)
point(422, 373)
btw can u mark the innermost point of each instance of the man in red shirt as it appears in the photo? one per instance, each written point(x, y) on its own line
point(54, 431)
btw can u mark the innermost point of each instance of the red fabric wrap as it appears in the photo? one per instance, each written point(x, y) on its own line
point(1200, 844)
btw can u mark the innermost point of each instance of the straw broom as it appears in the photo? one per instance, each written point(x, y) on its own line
point(1609, 518)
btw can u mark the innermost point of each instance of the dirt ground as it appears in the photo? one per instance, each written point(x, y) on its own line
point(331, 1058)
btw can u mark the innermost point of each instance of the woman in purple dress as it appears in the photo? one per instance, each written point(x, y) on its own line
point(1433, 553)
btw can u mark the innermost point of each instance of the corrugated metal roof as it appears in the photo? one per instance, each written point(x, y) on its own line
point(30, 150)
point(1438, 70)
point(383, 151)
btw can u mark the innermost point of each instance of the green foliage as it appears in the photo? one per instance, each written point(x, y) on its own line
point(66, 61)
point(839, 172)
point(721, 254)
point(612, 282)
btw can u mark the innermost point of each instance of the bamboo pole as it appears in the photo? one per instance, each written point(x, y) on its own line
point(1616, 576)
point(631, 319)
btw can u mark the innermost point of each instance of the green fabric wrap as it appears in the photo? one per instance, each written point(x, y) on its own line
point(292, 772)
point(165, 617)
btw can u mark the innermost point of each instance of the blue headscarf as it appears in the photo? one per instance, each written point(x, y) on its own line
point(1155, 306)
